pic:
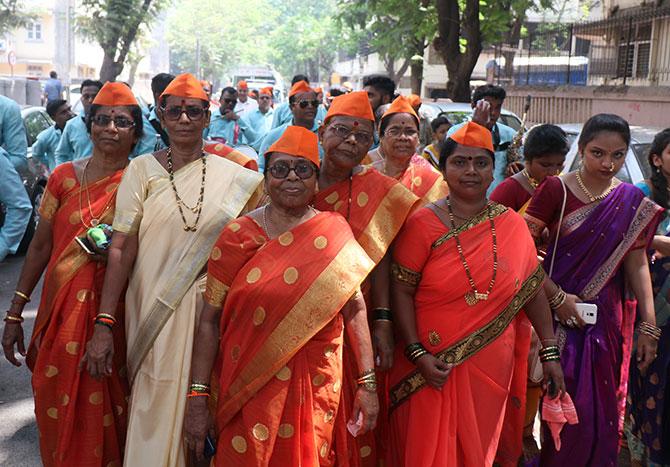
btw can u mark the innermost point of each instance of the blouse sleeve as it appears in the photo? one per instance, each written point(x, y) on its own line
point(130, 199)
point(545, 206)
point(52, 194)
point(412, 248)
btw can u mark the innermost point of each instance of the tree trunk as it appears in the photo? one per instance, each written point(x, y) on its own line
point(132, 72)
point(416, 77)
point(110, 69)
point(459, 64)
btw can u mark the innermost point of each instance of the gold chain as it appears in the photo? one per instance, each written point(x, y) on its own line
point(95, 220)
point(197, 209)
point(531, 181)
point(474, 296)
point(588, 194)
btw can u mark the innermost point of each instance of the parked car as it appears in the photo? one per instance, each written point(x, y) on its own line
point(456, 112)
point(636, 166)
point(34, 176)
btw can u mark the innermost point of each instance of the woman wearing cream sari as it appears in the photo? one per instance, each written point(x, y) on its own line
point(171, 208)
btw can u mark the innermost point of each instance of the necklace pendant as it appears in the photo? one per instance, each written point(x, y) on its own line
point(94, 222)
point(482, 296)
point(471, 298)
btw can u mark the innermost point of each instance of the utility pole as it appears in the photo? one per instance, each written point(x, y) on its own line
point(197, 57)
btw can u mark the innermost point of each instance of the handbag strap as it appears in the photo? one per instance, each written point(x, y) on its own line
point(558, 228)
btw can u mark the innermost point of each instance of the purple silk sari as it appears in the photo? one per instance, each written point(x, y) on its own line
point(593, 242)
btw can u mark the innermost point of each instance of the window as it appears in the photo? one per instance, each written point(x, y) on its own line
point(35, 31)
point(634, 49)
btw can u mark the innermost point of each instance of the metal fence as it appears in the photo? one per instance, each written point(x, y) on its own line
point(629, 48)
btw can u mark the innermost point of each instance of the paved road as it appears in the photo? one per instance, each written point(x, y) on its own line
point(18, 432)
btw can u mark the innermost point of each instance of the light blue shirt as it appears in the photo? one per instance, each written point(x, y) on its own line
point(224, 130)
point(262, 124)
point(500, 163)
point(13, 133)
point(75, 143)
point(273, 136)
point(45, 146)
point(283, 115)
point(152, 117)
point(147, 143)
point(17, 207)
point(53, 88)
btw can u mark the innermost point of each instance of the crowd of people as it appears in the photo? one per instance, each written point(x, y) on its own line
point(369, 290)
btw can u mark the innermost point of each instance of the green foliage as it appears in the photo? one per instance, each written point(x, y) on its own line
point(230, 34)
point(13, 15)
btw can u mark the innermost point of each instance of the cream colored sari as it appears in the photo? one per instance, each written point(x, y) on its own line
point(164, 291)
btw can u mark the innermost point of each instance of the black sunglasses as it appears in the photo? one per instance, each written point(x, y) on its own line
point(119, 122)
point(193, 112)
point(313, 102)
point(303, 170)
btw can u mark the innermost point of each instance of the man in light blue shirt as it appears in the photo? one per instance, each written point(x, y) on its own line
point(282, 113)
point(53, 88)
point(47, 141)
point(13, 133)
point(261, 118)
point(75, 143)
point(17, 207)
point(228, 127)
point(158, 85)
point(487, 101)
point(303, 104)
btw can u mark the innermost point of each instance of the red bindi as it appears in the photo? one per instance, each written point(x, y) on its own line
point(355, 123)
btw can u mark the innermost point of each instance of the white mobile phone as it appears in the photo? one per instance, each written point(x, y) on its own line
point(588, 312)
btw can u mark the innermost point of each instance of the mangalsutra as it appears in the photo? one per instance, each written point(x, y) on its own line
point(95, 220)
point(588, 194)
point(474, 296)
point(197, 209)
point(531, 181)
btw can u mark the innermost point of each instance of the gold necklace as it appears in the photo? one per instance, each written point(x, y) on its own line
point(95, 220)
point(197, 209)
point(474, 296)
point(531, 181)
point(588, 194)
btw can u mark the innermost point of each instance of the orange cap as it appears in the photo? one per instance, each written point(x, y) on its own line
point(300, 86)
point(473, 135)
point(401, 105)
point(318, 90)
point(414, 101)
point(242, 85)
point(353, 104)
point(299, 142)
point(267, 91)
point(113, 94)
point(187, 86)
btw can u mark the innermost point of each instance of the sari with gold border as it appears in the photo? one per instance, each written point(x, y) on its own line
point(164, 290)
point(81, 421)
point(281, 338)
point(461, 423)
point(376, 207)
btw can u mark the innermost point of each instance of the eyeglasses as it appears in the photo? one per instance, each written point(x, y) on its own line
point(280, 170)
point(396, 132)
point(304, 103)
point(119, 122)
point(230, 101)
point(193, 112)
point(344, 132)
point(265, 97)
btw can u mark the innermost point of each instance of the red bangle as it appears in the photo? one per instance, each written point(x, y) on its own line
point(197, 394)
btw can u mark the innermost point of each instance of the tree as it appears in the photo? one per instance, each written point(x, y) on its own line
point(13, 15)
point(398, 30)
point(226, 36)
point(114, 24)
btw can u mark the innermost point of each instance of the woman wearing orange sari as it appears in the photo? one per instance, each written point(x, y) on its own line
point(464, 268)
point(81, 420)
point(287, 278)
point(375, 206)
point(399, 138)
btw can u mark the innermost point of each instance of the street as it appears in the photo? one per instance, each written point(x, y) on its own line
point(18, 432)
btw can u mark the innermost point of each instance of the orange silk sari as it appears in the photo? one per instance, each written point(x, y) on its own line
point(424, 181)
point(232, 155)
point(376, 207)
point(81, 421)
point(461, 424)
point(281, 338)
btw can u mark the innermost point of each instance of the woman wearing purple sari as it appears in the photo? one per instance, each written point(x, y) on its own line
point(600, 255)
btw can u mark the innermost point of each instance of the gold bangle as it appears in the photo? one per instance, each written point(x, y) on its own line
point(22, 295)
point(13, 319)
